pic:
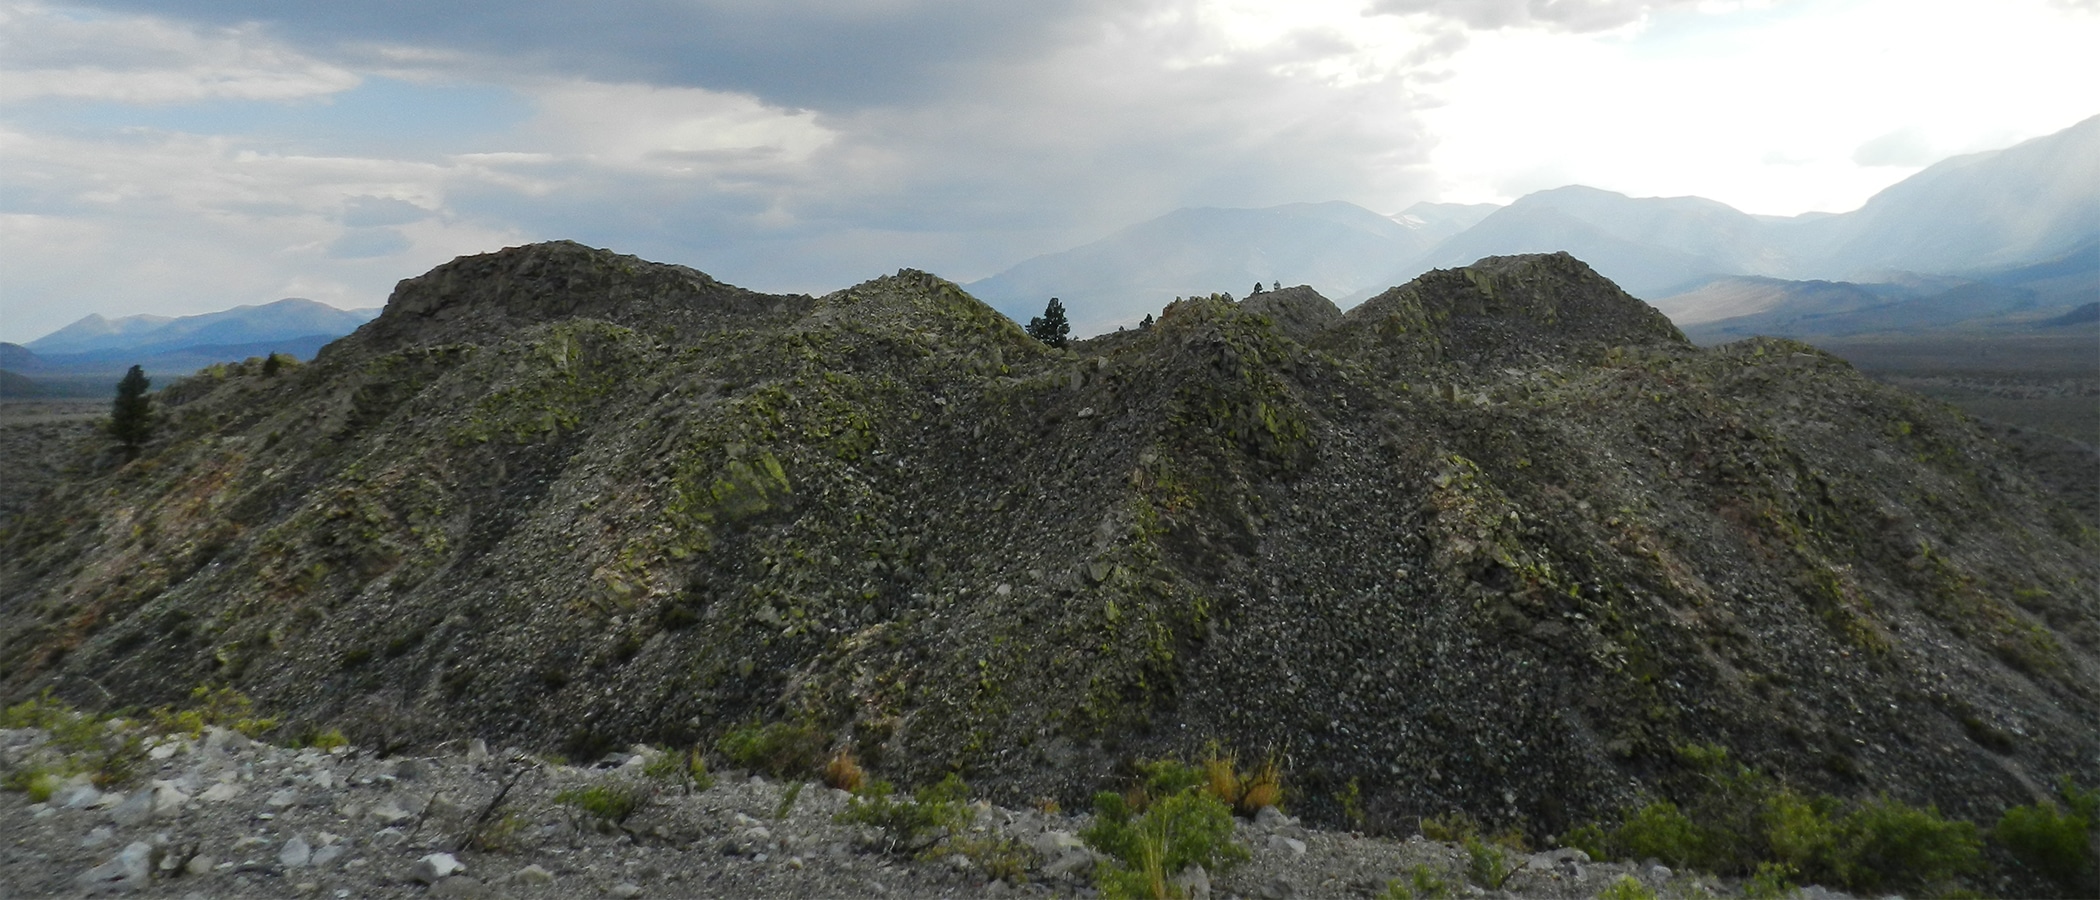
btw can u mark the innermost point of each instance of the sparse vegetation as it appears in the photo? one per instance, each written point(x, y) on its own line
point(782, 749)
point(1420, 883)
point(1168, 821)
point(911, 825)
point(609, 803)
point(2056, 841)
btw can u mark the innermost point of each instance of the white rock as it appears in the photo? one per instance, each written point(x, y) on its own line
point(167, 799)
point(220, 793)
point(102, 834)
point(283, 798)
point(435, 866)
point(1193, 883)
point(128, 871)
point(1281, 844)
point(324, 779)
point(296, 852)
point(1052, 844)
point(76, 795)
point(626, 890)
point(136, 809)
point(478, 753)
point(328, 854)
point(389, 813)
point(388, 838)
point(532, 874)
point(200, 865)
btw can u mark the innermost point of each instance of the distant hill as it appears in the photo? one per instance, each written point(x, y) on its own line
point(2028, 296)
point(17, 358)
point(2034, 201)
point(292, 317)
point(1648, 245)
point(1337, 248)
point(1993, 212)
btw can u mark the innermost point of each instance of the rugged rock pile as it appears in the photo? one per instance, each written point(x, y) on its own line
point(220, 816)
point(1498, 541)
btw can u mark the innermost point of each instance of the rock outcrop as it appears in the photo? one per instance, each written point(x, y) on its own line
point(1498, 540)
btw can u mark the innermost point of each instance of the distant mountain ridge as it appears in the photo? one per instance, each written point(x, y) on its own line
point(1337, 247)
point(292, 317)
point(1993, 211)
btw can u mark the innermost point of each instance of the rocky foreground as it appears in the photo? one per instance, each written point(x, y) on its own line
point(222, 816)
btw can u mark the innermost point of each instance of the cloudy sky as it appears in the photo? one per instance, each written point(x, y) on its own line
point(181, 156)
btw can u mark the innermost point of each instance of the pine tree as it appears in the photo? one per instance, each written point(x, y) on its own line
point(131, 417)
point(1147, 324)
point(1051, 327)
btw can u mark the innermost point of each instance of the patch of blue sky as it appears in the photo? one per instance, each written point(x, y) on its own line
point(381, 116)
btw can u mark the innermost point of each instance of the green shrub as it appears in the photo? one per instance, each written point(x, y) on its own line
point(1801, 834)
point(688, 769)
point(1488, 865)
point(1888, 843)
point(1773, 881)
point(914, 824)
point(1187, 828)
point(1421, 883)
point(221, 708)
point(611, 803)
point(1589, 838)
point(1626, 888)
point(2052, 840)
point(1661, 831)
point(781, 749)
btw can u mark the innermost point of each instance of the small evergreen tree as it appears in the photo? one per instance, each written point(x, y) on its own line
point(1051, 327)
point(1147, 324)
point(1257, 289)
point(131, 417)
point(1274, 285)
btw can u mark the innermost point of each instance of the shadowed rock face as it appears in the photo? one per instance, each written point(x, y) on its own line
point(1498, 540)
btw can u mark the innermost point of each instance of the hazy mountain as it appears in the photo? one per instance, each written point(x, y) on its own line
point(1983, 211)
point(1337, 248)
point(1733, 307)
point(2033, 201)
point(16, 358)
point(1648, 245)
point(137, 335)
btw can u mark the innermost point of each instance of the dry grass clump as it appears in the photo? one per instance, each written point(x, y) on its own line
point(1245, 791)
point(844, 772)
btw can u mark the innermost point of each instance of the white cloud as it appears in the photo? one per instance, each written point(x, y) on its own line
point(45, 53)
point(1762, 109)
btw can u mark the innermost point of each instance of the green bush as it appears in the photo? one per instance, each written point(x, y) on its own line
point(687, 769)
point(1488, 865)
point(2052, 840)
point(224, 707)
point(611, 803)
point(1188, 828)
point(1661, 831)
point(1626, 888)
point(782, 749)
point(1886, 843)
point(1421, 883)
point(914, 824)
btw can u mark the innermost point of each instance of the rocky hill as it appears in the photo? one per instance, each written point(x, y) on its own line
point(1498, 541)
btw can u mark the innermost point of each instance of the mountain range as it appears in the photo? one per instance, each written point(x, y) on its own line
point(83, 357)
point(1968, 216)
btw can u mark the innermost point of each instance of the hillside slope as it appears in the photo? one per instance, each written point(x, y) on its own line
point(1497, 540)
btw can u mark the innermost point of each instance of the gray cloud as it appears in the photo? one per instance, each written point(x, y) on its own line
point(1565, 15)
point(810, 54)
